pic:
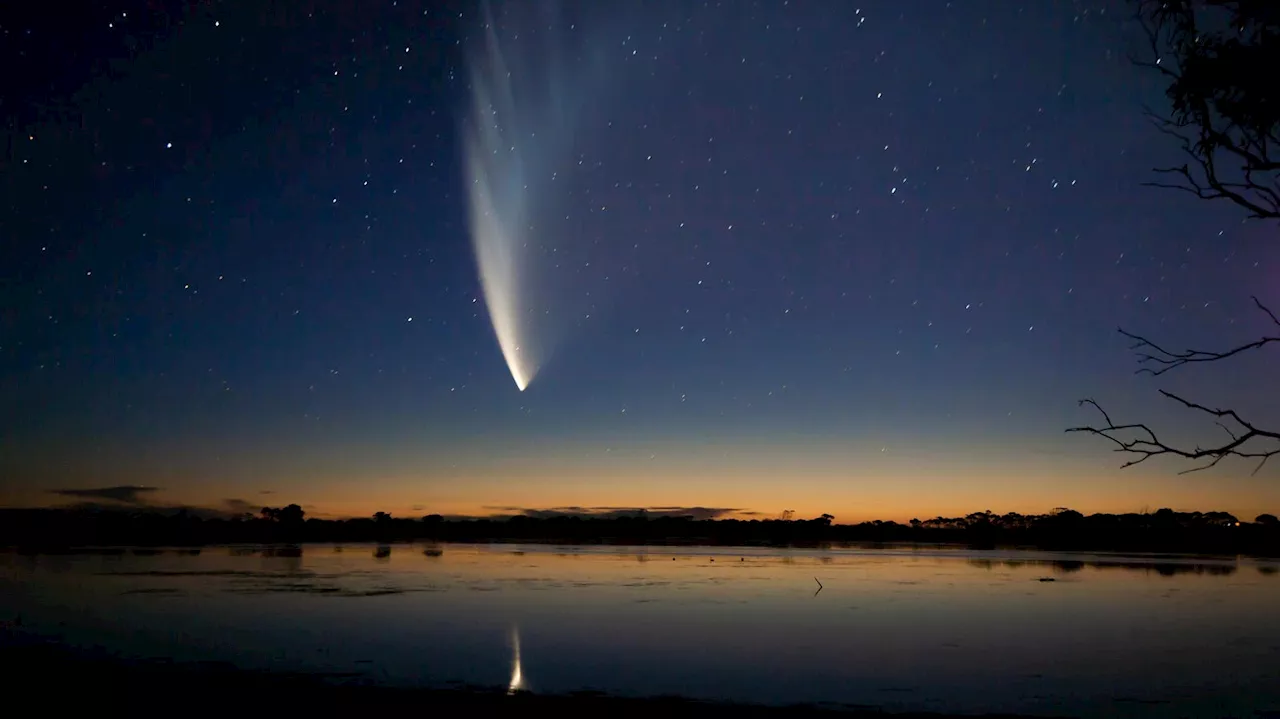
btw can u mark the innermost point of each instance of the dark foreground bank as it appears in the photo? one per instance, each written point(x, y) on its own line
point(67, 680)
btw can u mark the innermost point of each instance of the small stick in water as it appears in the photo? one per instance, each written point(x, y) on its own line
point(819, 586)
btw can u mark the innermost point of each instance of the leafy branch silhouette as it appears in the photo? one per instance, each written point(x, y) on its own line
point(1223, 113)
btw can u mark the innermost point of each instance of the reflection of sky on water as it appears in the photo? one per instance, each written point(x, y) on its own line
point(969, 631)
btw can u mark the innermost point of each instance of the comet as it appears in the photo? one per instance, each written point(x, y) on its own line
point(539, 72)
point(497, 248)
point(497, 200)
point(526, 97)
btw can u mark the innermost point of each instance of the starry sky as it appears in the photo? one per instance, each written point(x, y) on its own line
point(857, 258)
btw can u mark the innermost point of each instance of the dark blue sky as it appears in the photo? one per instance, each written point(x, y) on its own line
point(860, 257)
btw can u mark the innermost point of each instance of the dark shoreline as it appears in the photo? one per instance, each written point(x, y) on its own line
point(98, 681)
point(1163, 532)
point(283, 546)
point(1060, 558)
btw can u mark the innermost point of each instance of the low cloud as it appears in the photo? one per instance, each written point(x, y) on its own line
point(99, 507)
point(615, 512)
point(126, 494)
point(240, 506)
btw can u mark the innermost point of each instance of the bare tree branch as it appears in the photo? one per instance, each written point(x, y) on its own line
point(1225, 116)
point(1151, 353)
point(1139, 439)
point(1246, 440)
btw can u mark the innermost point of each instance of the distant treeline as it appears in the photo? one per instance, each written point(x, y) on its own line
point(1063, 529)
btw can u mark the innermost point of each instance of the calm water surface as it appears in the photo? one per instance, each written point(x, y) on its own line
point(958, 631)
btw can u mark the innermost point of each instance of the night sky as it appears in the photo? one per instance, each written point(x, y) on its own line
point(824, 256)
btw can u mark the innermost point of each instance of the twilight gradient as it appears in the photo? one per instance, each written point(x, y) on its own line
point(858, 259)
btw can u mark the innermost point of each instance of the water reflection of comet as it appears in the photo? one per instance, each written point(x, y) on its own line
point(517, 676)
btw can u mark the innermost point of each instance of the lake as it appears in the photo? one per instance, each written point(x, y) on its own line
point(904, 629)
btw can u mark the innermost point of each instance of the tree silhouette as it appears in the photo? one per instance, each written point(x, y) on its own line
point(1216, 56)
point(1213, 532)
point(291, 514)
point(1243, 437)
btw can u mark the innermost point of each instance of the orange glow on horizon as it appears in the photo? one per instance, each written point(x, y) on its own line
point(853, 483)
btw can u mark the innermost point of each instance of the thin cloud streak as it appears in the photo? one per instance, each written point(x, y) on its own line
point(127, 494)
point(502, 512)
